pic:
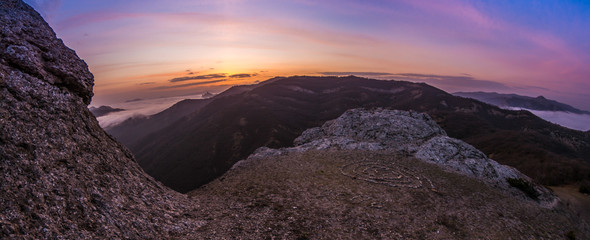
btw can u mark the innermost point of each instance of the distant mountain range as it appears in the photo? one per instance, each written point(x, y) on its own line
point(539, 103)
point(197, 140)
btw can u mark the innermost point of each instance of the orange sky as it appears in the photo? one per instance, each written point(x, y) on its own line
point(135, 48)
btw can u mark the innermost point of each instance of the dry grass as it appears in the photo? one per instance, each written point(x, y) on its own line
point(315, 195)
point(578, 203)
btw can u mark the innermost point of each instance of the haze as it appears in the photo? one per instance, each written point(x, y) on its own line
point(149, 49)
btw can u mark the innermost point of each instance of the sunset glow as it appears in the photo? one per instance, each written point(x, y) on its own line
point(150, 48)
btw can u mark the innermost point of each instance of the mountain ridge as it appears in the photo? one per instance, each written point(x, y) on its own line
point(518, 101)
point(62, 176)
point(366, 175)
point(275, 113)
point(413, 134)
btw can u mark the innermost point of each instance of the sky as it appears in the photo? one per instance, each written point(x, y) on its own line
point(154, 48)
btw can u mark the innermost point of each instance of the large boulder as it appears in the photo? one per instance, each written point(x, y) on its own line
point(61, 175)
point(417, 135)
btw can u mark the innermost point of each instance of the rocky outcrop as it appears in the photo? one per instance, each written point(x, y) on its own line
point(418, 135)
point(61, 175)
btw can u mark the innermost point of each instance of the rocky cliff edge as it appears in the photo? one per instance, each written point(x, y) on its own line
point(61, 175)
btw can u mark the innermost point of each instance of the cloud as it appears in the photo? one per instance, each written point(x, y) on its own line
point(242, 75)
point(455, 81)
point(570, 120)
point(199, 77)
point(355, 73)
point(464, 81)
point(140, 108)
point(187, 84)
point(146, 83)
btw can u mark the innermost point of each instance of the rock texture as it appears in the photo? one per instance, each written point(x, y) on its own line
point(61, 175)
point(416, 134)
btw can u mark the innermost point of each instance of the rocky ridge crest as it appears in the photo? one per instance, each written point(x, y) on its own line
point(61, 175)
point(417, 135)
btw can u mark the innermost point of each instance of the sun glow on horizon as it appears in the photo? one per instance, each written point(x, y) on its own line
point(135, 48)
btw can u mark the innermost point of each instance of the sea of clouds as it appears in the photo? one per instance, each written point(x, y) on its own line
point(146, 107)
point(140, 107)
point(566, 119)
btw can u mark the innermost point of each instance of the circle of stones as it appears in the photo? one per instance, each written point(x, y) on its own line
point(394, 176)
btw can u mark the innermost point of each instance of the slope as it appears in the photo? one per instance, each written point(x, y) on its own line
point(204, 144)
point(368, 175)
point(513, 100)
point(61, 175)
point(306, 196)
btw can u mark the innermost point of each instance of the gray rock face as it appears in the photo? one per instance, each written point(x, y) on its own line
point(29, 45)
point(380, 128)
point(61, 175)
point(414, 133)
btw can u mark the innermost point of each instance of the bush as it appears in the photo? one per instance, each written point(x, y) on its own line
point(570, 235)
point(524, 186)
point(585, 187)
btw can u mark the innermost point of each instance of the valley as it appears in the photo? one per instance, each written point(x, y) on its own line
point(191, 149)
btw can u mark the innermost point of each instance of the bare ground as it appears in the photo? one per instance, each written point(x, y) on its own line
point(367, 195)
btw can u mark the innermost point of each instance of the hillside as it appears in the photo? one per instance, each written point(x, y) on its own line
point(376, 174)
point(349, 179)
point(307, 196)
point(202, 145)
point(517, 101)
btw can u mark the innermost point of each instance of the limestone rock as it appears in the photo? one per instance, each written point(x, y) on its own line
point(391, 128)
point(61, 175)
point(415, 134)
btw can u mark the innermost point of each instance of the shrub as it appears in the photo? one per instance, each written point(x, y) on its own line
point(524, 186)
point(570, 235)
point(585, 187)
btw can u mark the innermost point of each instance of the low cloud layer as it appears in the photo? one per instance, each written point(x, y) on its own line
point(570, 120)
point(242, 75)
point(141, 107)
point(199, 77)
point(449, 83)
point(455, 81)
point(360, 74)
point(188, 84)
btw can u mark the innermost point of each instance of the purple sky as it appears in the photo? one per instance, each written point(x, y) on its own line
point(135, 48)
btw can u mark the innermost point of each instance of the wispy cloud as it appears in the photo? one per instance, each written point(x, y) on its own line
point(146, 83)
point(199, 77)
point(187, 85)
point(242, 75)
point(355, 73)
point(454, 81)
point(462, 81)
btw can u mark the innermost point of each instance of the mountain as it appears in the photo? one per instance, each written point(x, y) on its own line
point(104, 110)
point(539, 103)
point(61, 175)
point(370, 174)
point(203, 144)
